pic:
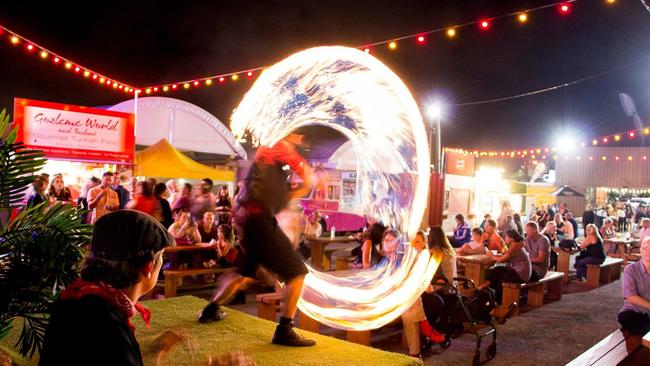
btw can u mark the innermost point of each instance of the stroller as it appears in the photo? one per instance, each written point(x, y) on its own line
point(468, 314)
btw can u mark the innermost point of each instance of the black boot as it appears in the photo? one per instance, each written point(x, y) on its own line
point(211, 313)
point(286, 336)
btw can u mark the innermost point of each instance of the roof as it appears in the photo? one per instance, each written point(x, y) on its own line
point(185, 125)
point(163, 160)
point(566, 191)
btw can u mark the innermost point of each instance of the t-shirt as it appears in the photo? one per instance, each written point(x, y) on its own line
point(89, 331)
point(520, 263)
point(595, 250)
point(109, 198)
point(533, 247)
point(206, 236)
point(636, 282)
point(267, 181)
point(492, 241)
point(476, 247)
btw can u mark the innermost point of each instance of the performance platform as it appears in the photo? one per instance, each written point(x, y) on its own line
point(237, 332)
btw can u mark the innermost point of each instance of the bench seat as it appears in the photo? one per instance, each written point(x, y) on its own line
point(172, 277)
point(552, 282)
point(608, 271)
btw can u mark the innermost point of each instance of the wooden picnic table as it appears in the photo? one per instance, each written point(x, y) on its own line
point(476, 265)
point(318, 248)
point(623, 243)
point(563, 260)
point(190, 248)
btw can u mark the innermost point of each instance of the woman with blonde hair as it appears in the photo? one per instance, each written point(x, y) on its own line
point(434, 299)
point(592, 252)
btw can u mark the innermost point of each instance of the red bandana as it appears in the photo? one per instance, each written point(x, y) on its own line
point(113, 296)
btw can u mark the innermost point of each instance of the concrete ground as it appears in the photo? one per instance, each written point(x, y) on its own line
point(551, 335)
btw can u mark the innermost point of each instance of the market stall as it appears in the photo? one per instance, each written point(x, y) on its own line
point(79, 142)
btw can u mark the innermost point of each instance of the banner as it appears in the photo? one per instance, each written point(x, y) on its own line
point(459, 164)
point(75, 133)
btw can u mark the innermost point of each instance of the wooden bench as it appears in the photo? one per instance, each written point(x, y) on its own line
point(618, 348)
point(269, 304)
point(327, 259)
point(552, 281)
point(344, 263)
point(607, 272)
point(174, 276)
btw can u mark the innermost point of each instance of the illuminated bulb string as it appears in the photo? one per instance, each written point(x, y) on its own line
point(353, 93)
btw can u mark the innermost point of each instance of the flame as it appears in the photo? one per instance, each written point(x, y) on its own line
point(354, 93)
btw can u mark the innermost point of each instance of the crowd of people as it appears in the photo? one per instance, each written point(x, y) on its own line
point(191, 214)
point(188, 215)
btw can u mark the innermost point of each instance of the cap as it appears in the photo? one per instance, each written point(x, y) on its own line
point(127, 234)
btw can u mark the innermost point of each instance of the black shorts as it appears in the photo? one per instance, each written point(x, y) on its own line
point(265, 244)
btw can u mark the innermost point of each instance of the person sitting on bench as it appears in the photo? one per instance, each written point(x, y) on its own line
point(635, 314)
point(538, 248)
point(592, 252)
point(518, 269)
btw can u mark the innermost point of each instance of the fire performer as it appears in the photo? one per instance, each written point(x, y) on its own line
point(266, 192)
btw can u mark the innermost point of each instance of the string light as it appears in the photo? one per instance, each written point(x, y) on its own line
point(45, 54)
point(617, 138)
point(420, 38)
point(208, 82)
point(594, 142)
point(564, 8)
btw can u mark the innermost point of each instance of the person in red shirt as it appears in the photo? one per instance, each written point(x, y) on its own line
point(265, 192)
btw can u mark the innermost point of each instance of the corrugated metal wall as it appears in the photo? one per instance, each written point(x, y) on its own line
point(612, 173)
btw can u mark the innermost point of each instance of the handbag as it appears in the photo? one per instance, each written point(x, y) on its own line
point(568, 245)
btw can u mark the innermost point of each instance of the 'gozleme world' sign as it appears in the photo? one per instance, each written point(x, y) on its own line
point(75, 133)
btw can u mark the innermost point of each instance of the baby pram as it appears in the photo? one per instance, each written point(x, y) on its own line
point(468, 314)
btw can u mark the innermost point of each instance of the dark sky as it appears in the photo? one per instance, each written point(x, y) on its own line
point(148, 42)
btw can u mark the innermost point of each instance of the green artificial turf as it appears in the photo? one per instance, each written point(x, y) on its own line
point(239, 332)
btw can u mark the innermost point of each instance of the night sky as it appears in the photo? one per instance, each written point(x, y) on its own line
point(146, 43)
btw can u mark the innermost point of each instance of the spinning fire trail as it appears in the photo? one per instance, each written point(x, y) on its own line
point(354, 93)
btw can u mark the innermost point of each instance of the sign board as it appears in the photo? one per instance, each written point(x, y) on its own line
point(459, 163)
point(75, 133)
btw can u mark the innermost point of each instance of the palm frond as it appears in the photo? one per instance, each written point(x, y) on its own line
point(32, 335)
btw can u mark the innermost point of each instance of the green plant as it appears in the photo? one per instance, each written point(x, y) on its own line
point(40, 248)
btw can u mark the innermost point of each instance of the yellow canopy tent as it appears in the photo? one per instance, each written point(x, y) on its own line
point(163, 160)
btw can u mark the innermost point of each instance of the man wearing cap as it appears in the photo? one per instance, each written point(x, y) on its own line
point(266, 192)
point(90, 322)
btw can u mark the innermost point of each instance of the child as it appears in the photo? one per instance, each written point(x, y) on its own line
point(475, 246)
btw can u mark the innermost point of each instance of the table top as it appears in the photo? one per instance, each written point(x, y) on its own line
point(475, 258)
point(621, 241)
point(336, 239)
point(188, 248)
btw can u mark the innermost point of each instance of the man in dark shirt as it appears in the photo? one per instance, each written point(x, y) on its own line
point(90, 322)
point(266, 192)
point(122, 193)
point(588, 217)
